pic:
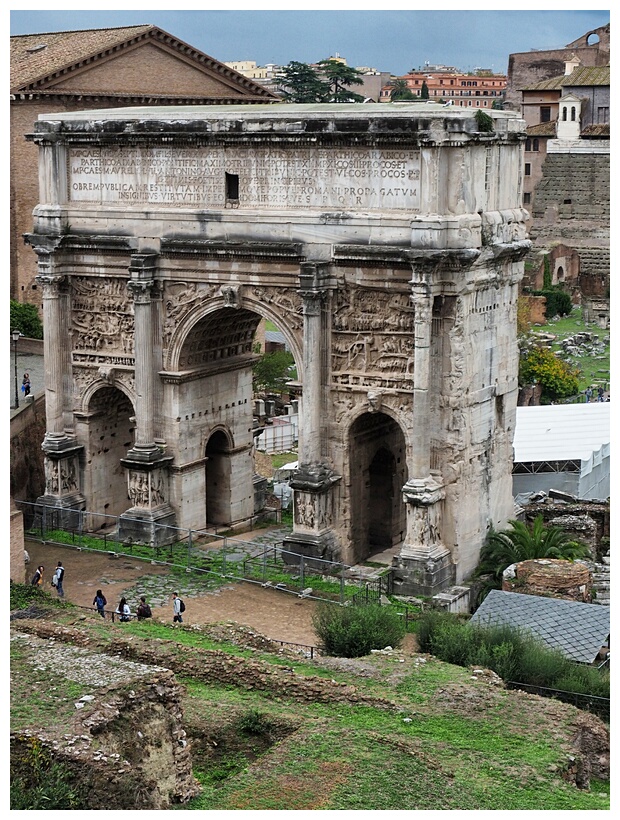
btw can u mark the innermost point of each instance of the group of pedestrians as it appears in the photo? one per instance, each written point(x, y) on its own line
point(123, 610)
point(600, 394)
point(57, 578)
point(143, 610)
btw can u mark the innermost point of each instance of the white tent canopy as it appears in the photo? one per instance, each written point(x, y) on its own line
point(564, 447)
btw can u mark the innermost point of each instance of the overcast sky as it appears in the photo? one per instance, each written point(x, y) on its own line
point(393, 40)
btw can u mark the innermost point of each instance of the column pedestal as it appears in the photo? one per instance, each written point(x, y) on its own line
point(62, 504)
point(313, 511)
point(424, 565)
point(150, 520)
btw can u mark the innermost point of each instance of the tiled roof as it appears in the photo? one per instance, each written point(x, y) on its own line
point(62, 48)
point(543, 129)
point(597, 131)
point(584, 75)
point(578, 630)
point(588, 75)
point(552, 84)
point(37, 58)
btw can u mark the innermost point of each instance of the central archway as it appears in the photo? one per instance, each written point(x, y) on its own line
point(377, 475)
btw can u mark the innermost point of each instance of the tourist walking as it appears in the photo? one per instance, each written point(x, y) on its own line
point(58, 578)
point(178, 608)
point(26, 384)
point(100, 602)
point(144, 610)
point(588, 394)
point(601, 394)
point(37, 578)
point(123, 610)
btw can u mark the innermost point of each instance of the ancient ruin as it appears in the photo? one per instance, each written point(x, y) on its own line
point(384, 241)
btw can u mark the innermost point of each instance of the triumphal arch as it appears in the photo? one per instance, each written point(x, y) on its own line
point(384, 241)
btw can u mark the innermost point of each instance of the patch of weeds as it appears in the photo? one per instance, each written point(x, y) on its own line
point(39, 782)
point(254, 722)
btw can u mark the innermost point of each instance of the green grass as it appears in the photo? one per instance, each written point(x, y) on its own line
point(280, 459)
point(593, 371)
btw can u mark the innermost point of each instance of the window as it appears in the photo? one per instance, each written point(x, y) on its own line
point(232, 186)
point(572, 114)
point(527, 198)
point(545, 113)
point(564, 110)
point(603, 114)
point(528, 144)
point(528, 169)
point(535, 145)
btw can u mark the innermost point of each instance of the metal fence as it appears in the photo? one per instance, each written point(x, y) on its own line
point(199, 551)
point(591, 703)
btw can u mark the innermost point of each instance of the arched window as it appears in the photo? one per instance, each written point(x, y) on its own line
point(528, 144)
point(535, 145)
point(564, 109)
point(572, 114)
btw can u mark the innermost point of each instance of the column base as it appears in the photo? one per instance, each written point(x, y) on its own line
point(323, 546)
point(59, 512)
point(155, 528)
point(424, 574)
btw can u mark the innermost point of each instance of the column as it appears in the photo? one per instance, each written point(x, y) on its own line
point(424, 563)
point(312, 483)
point(151, 519)
point(62, 466)
point(142, 270)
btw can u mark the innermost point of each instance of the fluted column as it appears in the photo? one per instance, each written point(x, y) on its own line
point(54, 340)
point(312, 300)
point(142, 271)
point(423, 309)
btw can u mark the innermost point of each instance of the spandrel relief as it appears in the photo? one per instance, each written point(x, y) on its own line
point(179, 299)
point(286, 303)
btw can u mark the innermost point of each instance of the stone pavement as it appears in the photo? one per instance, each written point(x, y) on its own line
point(31, 363)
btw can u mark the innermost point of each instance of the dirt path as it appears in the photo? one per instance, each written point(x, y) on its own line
point(277, 615)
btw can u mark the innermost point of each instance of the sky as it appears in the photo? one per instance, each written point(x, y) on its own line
point(393, 39)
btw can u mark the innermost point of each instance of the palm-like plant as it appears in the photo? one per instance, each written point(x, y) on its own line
point(522, 543)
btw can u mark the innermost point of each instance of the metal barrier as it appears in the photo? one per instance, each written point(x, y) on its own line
point(196, 551)
point(591, 703)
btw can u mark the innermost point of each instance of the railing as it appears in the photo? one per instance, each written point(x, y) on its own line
point(591, 703)
point(197, 551)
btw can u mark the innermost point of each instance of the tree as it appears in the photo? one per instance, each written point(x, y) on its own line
point(300, 83)
point(401, 91)
point(338, 77)
point(424, 91)
point(271, 372)
point(25, 318)
point(523, 543)
point(558, 379)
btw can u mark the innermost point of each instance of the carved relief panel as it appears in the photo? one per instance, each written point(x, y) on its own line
point(102, 322)
point(372, 339)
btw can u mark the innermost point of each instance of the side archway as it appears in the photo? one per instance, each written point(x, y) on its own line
point(378, 471)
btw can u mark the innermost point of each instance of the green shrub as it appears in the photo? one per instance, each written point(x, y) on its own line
point(558, 302)
point(351, 632)
point(513, 654)
point(484, 122)
point(25, 318)
point(254, 722)
point(557, 378)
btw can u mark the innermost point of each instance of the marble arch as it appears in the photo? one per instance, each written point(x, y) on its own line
point(387, 243)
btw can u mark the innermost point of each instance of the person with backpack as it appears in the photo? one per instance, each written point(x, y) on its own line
point(57, 579)
point(123, 610)
point(37, 578)
point(144, 610)
point(178, 608)
point(100, 602)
